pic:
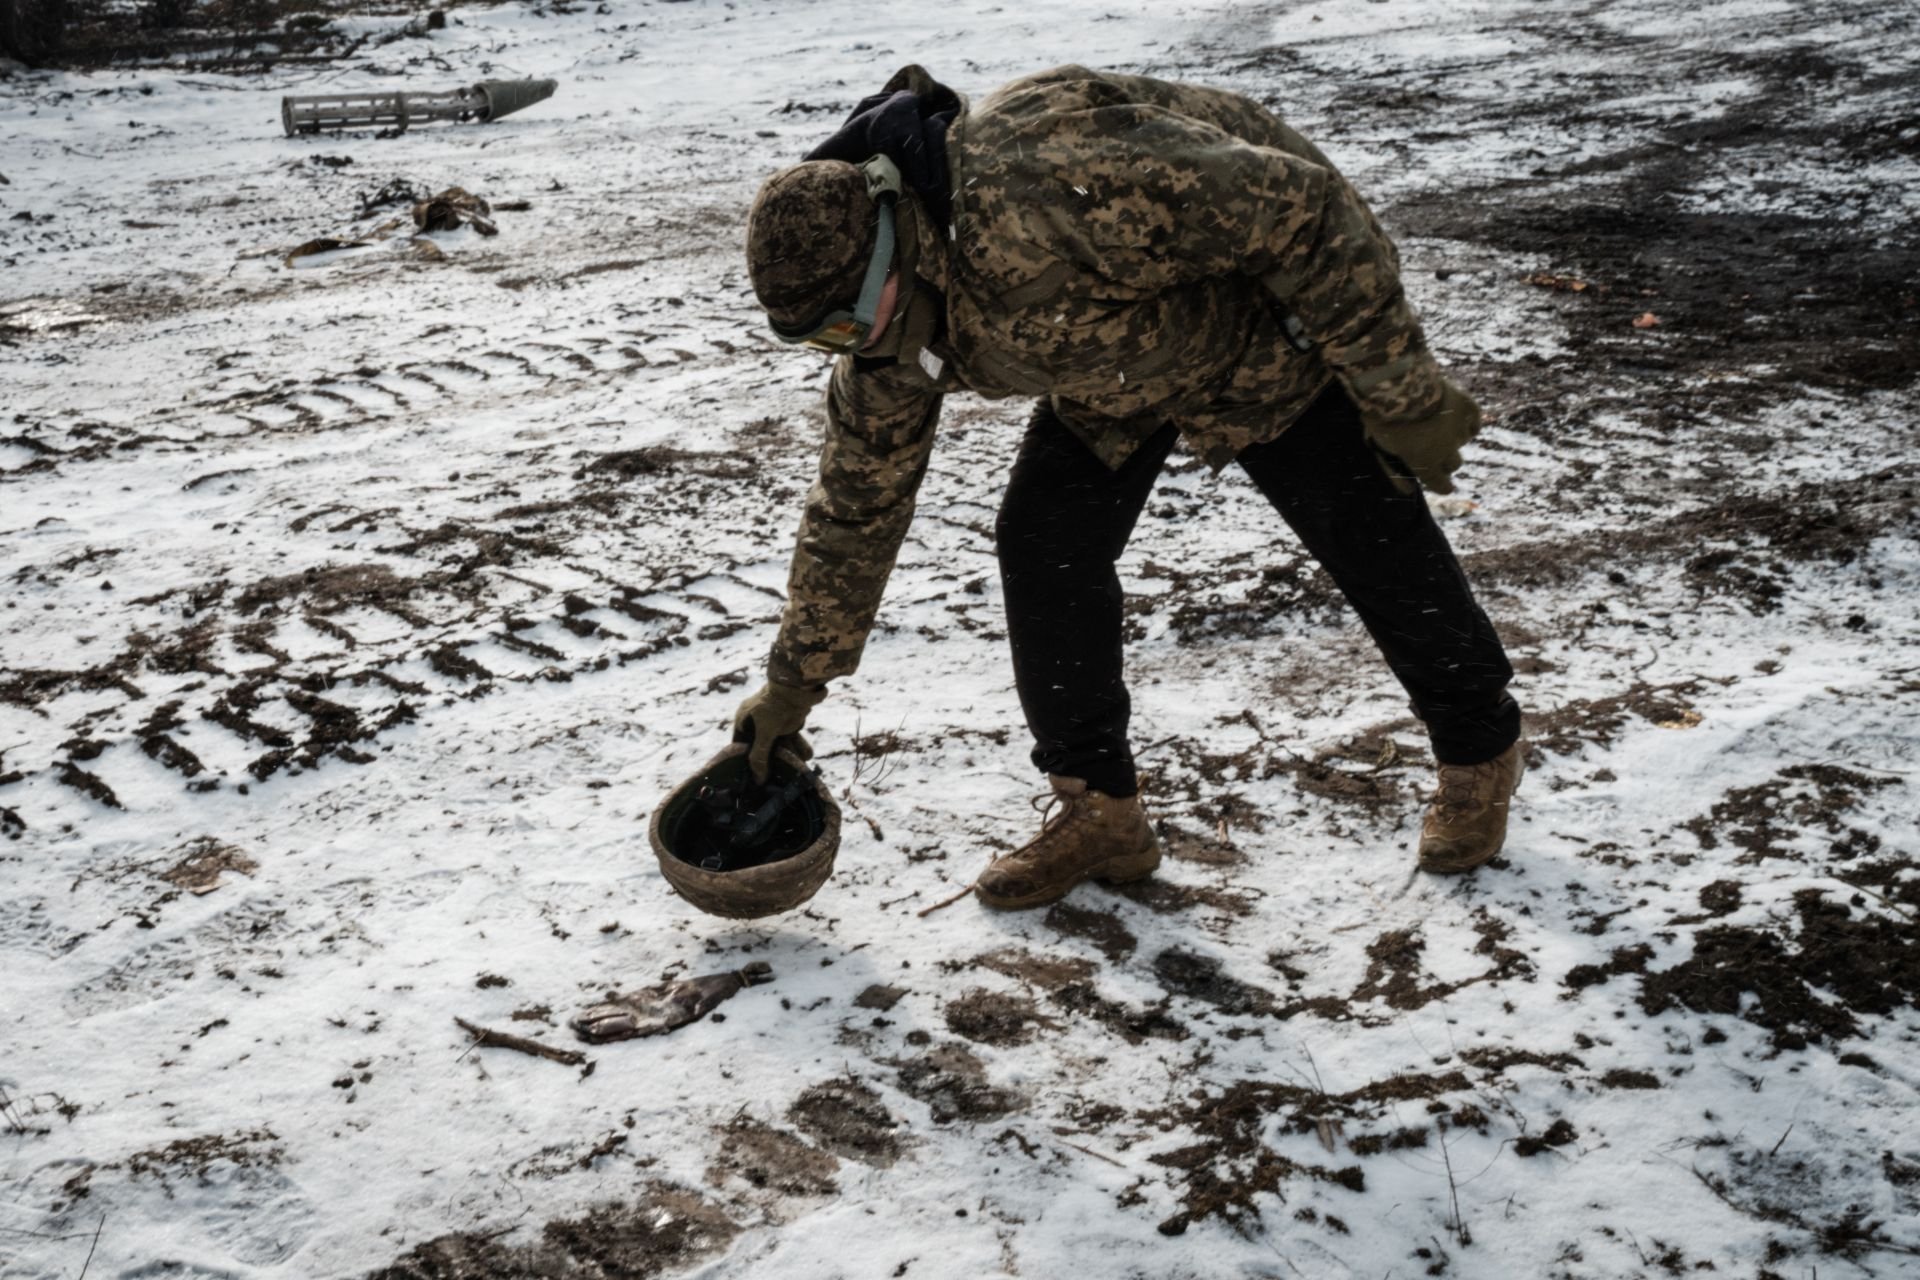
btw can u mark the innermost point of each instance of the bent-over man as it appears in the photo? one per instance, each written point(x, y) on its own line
point(1149, 262)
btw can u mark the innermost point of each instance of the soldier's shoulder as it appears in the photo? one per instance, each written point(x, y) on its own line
point(1020, 105)
point(1066, 87)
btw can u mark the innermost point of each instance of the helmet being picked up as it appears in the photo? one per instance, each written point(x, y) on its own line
point(739, 849)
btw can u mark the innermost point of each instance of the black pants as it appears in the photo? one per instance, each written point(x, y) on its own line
point(1066, 518)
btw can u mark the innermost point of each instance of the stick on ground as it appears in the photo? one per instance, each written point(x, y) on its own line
point(520, 1044)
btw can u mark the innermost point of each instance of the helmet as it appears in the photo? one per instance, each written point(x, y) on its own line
point(780, 870)
point(809, 237)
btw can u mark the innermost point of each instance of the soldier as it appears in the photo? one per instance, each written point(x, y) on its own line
point(1151, 262)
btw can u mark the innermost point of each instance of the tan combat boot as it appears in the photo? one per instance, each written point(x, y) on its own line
point(1467, 822)
point(1093, 836)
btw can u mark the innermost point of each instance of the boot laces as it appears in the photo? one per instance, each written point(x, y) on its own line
point(1045, 803)
point(1459, 786)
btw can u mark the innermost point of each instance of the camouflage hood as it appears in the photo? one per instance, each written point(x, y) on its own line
point(907, 122)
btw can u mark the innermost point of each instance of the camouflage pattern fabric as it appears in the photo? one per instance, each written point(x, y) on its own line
point(1139, 251)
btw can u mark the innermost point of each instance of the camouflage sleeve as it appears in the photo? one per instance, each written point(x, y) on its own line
point(1338, 275)
point(879, 434)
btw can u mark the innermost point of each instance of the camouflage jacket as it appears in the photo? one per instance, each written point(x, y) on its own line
point(1139, 251)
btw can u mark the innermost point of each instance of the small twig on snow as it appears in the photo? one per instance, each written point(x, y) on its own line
point(1460, 1232)
point(945, 902)
point(1088, 1151)
point(95, 1245)
point(520, 1044)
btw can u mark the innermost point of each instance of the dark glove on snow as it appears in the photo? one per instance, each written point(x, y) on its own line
point(773, 716)
point(1426, 449)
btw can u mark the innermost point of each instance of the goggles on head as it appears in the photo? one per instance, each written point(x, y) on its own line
point(840, 330)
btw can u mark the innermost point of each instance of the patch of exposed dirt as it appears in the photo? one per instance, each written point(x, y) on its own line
point(1869, 964)
point(1624, 960)
point(1580, 722)
point(1372, 1144)
point(1197, 977)
point(879, 996)
point(1182, 845)
point(1558, 1134)
point(196, 1157)
point(1130, 1024)
point(1763, 821)
point(662, 460)
point(87, 784)
point(953, 1084)
point(995, 1017)
point(1895, 881)
point(1102, 928)
point(1167, 898)
point(1224, 1173)
point(849, 1119)
point(773, 1160)
point(662, 1230)
point(665, 1229)
point(203, 862)
point(1048, 973)
point(1234, 599)
point(1394, 970)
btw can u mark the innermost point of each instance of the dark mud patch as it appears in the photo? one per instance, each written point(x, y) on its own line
point(1048, 973)
point(1167, 898)
point(1395, 973)
point(879, 996)
point(1182, 845)
point(1721, 898)
point(661, 460)
point(771, 1159)
point(334, 731)
point(329, 588)
point(1134, 1025)
point(1372, 1144)
point(664, 1229)
point(196, 1158)
point(203, 862)
point(848, 1119)
point(1744, 547)
point(1624, 960)
point(1101, 928)
point(1497, 1060)
point(953, 1084)
point(1580, 722)
point(1767, 821)
point(1233, 600)
point(1224, 1173)
point(995, 1018)
point(1198, 977)
point(1558, 1134)
point(1810, 290)
point(1869, 965)
point(90, 785)
point(1894, 881)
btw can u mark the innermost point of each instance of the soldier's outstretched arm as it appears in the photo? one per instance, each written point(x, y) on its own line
point(880, 427)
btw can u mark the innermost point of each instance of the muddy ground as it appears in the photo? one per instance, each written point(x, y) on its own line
point(396, 635)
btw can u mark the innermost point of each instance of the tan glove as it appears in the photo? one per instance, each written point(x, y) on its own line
point(1426, 449)
point(774, 715)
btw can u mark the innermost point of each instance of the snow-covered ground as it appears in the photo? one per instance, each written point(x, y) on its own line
point(403, 585)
